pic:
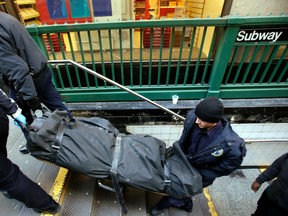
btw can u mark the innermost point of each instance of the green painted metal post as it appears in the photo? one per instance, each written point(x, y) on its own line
point(222, 57)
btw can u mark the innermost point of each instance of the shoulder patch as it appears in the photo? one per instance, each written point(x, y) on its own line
point(217, 153)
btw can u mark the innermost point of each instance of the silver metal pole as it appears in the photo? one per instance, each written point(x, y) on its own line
point(116, 84)
point(266, 140)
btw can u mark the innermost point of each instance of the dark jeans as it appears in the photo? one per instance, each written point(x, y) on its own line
point(268, 208)
point(13, 181)
point(47, 94)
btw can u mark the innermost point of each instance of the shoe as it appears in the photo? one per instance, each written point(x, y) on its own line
point(23, 149)
point(7, 195)
point(156, 212)
point(54, 209)
point(188, 206)
point(187, 209)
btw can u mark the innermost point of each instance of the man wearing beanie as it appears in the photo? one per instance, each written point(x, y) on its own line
point(211, 146)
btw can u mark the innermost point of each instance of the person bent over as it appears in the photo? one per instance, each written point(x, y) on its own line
point(13, 183)
point(211, 146)
point(24, 71)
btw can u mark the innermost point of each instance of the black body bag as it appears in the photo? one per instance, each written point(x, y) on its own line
point(94, 147)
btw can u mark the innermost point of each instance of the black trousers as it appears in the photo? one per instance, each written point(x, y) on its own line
point(168, 201)
point(13, 181)
point(47, 94)
point(265, 207)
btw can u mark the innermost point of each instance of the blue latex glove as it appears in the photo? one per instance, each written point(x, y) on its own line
point(21, 118)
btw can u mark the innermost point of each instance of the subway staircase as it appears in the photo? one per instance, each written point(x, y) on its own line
point(81, 195)
point(77, 193)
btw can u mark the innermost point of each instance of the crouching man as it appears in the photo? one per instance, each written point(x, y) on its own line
point(210, 145)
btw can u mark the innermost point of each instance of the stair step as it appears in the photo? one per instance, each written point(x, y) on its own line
point(78, 195)
point(105, 203)
point(135, 201)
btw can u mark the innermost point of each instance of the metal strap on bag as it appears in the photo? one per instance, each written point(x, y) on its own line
point(55, 148)
point(167, 180)
point(114, 174)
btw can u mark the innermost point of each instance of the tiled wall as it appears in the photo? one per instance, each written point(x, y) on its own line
point(171, 133)
point(258, 153)
point(166, 133)
point(262, 131)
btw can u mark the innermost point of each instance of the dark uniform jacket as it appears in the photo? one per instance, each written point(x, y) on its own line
point(224, 155)
point(19, 56)
point(278, 190)
point(7, 105)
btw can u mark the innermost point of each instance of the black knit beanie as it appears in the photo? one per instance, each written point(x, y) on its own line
point(210, 110)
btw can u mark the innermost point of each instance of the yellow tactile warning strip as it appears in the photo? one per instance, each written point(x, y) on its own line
point(211, 206)
point(58, 185)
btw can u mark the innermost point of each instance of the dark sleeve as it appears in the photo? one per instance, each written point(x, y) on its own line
point(189, 120)
point(272, 171)
point(229, 162)
point(7, 104)
point(15, 69)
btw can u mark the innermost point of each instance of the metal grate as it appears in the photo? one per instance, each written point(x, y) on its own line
point(105, 203)
point(78, 198)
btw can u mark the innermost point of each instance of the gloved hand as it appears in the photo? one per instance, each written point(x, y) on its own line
point(34, 104)
point(21, 118)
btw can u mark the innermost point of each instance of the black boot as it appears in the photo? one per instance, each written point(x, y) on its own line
point(163, 204)
point(54, 209)
point(185, 203)
point(156, 212)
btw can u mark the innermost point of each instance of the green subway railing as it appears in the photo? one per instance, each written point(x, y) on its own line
point(193, 58)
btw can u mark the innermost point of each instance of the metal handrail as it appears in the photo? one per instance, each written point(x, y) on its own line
point(266, 140)
point(115, 84)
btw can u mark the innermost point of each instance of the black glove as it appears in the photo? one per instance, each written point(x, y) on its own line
point(34, 104)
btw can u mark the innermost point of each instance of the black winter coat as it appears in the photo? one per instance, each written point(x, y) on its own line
point(278, 190)
point(7, 105)
point(19, 56)
point(221, 157)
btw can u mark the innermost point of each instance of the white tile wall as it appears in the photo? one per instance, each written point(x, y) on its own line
point(258, 153)
point(171, 133)
point(262, 130)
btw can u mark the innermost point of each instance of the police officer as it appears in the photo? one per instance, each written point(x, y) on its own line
point(24, 66)
point(13, 182)
point(210, 145)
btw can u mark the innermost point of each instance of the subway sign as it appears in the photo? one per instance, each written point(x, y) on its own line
point(257, 35)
